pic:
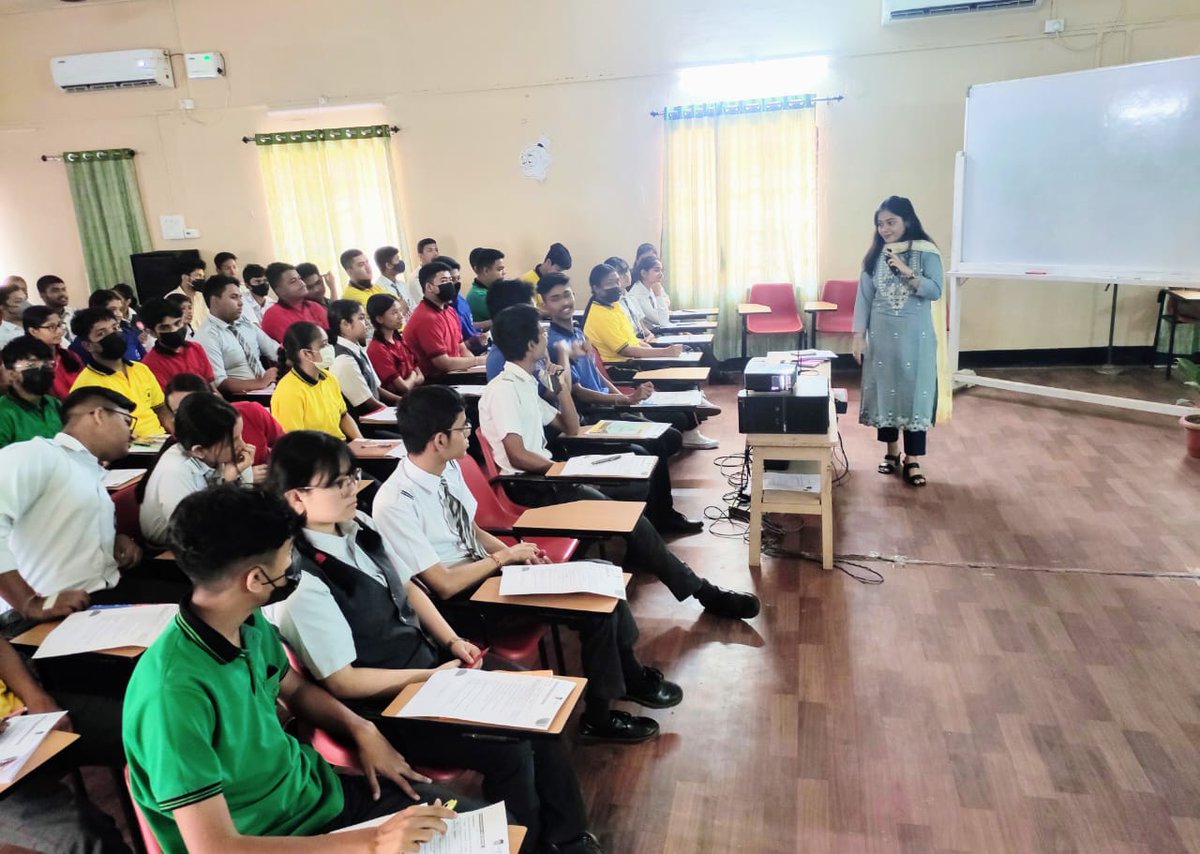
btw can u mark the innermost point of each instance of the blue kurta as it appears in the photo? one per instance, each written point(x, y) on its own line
point(899, 380)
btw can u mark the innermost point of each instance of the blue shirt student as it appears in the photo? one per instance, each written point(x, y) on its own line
point(466, 321)
point(584, 372)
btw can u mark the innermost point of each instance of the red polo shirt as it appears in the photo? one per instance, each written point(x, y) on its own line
point(259, 428)
point(189, 359)
point(66, 368)
point(433, 332)
point(279, 317)
point(390, 359)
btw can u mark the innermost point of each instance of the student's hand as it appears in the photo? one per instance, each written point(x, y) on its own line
point(126, 551)
point(377, 757)
point(416, 377)
point(856, 347)
point(242, 460)
point(407, 829)
point(541, 557)
point(466, 651)
point(452, 664)
point(642, 392)
point(649, 337)
point(269, 376)
point(673, 350)
point(519, 553)
point(41, 703)
point(260, 474)
point(66, 602)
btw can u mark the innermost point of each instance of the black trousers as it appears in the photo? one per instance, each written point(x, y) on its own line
point(646, 551)
point(359, 807)
point(914, 440)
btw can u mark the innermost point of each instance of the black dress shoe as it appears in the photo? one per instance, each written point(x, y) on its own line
point(676, 523)
point(620, 726)
point(727, 603)
point(586, 844)
point(654, 692)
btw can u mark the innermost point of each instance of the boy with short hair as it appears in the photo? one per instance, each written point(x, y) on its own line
point(28, 410)
point(191, 281)
point(360, 288)
point(172, 352)
point(102, 339)
point(488, 265)
point(433, 333)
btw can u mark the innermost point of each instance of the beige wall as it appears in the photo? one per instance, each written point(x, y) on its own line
point(471, 82)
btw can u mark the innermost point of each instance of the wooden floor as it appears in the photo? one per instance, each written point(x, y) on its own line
point(1008, 688)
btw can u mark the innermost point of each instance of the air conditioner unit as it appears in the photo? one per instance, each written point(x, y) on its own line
point(117, 69)
point(903, 10)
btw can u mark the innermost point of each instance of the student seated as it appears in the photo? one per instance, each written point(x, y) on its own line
point(557, 260)
point(607, 325)
point(317, 285)
point(46, 325)
point(488, 266)
point(54, 294)
point(101, 336)
point(433, 332)
point(188, 307)
point(191, 284)
point(172, 353)
point(129, 303)
point(391, 276)
point(256, 296)
point(364, 630)
point(293, 301)
point(260, 430)
point(389, 355)
point(113, 301)
point(427, 514)
point(474, 337)
point(206, 448)
point(647, 292)
point(501, 295)
point(43, 814)
point(210, 764)
point(351, 366)
point(27, 409)
point(12, 306)
point(513, 417)
point(360, 287)
point(307, 397)
point(237, 350)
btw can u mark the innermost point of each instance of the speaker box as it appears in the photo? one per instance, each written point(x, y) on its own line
point(156, 274)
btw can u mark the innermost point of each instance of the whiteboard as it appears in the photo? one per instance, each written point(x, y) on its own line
point(1091, 175)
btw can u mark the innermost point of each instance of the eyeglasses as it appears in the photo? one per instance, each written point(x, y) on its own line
point(345, 483)
point(465, 430)
point(53, 327)
point(130, 418)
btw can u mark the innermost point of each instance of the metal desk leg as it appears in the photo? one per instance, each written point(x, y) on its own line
point(827, 510)
point(812, 324)
point(744, 348)
point(756, 511)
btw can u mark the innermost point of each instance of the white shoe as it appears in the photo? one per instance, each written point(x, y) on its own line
point(705, 403)
point(697, 441)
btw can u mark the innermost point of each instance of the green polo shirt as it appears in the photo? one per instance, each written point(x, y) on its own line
point(477, 299)
point(200, 721)
point(21, 420)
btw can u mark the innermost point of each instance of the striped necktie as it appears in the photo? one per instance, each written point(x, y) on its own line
point(462, 522)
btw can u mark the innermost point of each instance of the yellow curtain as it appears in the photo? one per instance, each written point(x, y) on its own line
point(740, 207)
point(328, 196)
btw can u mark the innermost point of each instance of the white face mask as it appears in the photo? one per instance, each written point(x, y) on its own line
point(326, 357)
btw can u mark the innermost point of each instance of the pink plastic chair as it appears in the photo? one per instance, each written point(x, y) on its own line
point(841, 292)
point(784, 316)
point(148, 840)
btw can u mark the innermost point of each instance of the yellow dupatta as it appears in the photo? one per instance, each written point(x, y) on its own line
point(945, 385)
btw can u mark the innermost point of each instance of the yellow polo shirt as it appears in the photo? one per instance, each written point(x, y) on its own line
point(532, 277)
point(360, 295)
point(609, 329)
point(136, 382)
point(301, 404)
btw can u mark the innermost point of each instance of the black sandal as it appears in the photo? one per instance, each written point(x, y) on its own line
point(917, 479)
point(890, 464)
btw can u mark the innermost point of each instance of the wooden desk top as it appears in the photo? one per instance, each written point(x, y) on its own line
point(745, 308)
point(516, 838)
point(686, 326)
point(696, 375)
point(820, 305)
point(135, 475)
point(54, 743)
point(556, 726)
point(1185, 294)
point(373, 449)
point(34, 637)
point(489, 593)
point(586, 517)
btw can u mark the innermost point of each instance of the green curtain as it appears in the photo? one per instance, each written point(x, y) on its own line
point(108, 211)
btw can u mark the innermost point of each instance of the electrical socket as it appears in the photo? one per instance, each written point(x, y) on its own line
point(1055, 25)
point(187, 104)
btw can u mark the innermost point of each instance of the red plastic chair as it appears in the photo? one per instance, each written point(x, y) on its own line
point(492, 516)
point(491, 471)
point(600, 366)
point(784, 316)
point(843, 293)
point(127, 513)
point(148, 840)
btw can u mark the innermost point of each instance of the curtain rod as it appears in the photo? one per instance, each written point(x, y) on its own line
point(317, 135)
point(747, 105)
point(86, 156)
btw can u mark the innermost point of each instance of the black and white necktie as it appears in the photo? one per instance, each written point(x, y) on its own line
point(462, 523)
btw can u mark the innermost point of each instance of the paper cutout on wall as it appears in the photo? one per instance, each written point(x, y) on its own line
point(535, 159)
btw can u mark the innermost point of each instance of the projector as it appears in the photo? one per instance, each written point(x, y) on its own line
point(761, 375)
point(804, 408)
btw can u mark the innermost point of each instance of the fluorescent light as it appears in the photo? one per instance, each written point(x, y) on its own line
point(769, 78)
point(322, 106)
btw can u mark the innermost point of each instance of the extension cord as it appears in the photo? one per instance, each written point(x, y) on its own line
point(739, 513)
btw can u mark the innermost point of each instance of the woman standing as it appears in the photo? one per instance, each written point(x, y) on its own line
point(901, 279)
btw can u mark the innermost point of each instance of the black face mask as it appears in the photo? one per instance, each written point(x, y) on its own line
point(112, 346)
point(37, 380)
point(608, 296)
point(260, 290)
point(291, 580)
point(446, 292)
point(173, 340)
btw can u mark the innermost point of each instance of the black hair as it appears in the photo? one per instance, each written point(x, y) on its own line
point(8, 290)
point(422, 243)
point(425, 412)
point(253, 271)
point(617, 263)
point(347, 258)
point(221, 257)
point(559, 256)
point(126, 292)
point(25, 347)
point(214, 286)
point(299, 336)
point(253, 523)
point(913, 230)
point(644, 265)
point(429, 271)
point(341, 310)
point(191, 383)
point(37, 315)
point(275, 271)
point(506, 292)
point(483, 257)
point(550, 281)
point(450, 262)
point(384, 256)
point(201, 419)
point(44, 282)
point(514, 329)
point(377, 306)
point(644, 248)
point(85, 395)
point(301, 455)
point(101, 298)
point(304, 270)
point(599, 273)
point(156, 311)
point(179, 300)
point(186, 267)
point(84, 319)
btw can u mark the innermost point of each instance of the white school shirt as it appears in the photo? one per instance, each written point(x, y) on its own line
point(251, 310)
point(9, 331)
point(511, 404)
point(413, 521)
point(228, 346)
point(656, 309)
point(176, 476)
point(349, 374)
point(57, 523)
point(399, 287)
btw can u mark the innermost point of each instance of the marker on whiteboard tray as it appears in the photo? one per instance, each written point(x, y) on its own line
point(1035, 272)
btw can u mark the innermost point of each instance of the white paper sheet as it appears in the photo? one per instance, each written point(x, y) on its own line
point(672, 398)
point(483, 831)
point(697, 312)
point(469, 390)
point(579, 576)
point(609, 465)
point(638, 429)
point(694, 340)
point(781, 356)
point(399, 452)
point(500, 699)
point(115, 477)
point(262, 392)
point(106, 628)
point(20, 739)
point(787, 481)
point(387, 415)
point(688, 358)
